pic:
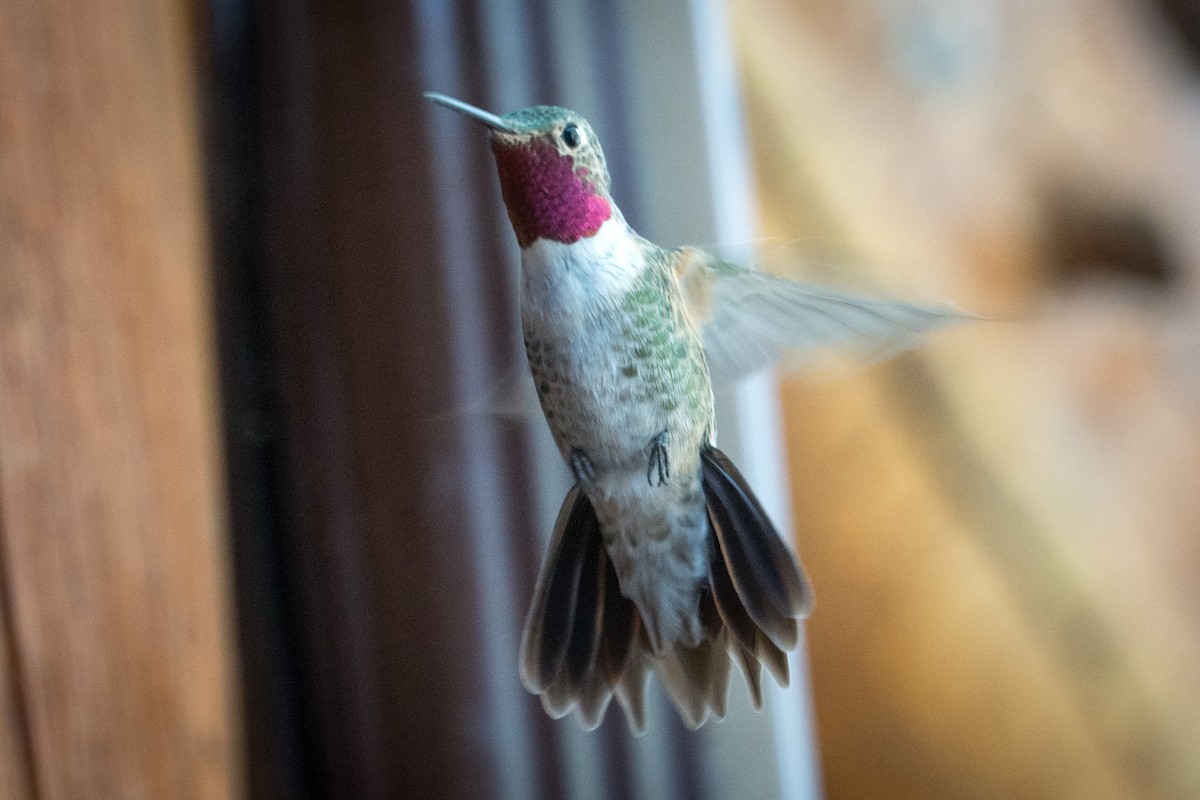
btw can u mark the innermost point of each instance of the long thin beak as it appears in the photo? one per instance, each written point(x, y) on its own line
point(486, 117)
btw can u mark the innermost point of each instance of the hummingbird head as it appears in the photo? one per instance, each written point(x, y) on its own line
point(552, 172)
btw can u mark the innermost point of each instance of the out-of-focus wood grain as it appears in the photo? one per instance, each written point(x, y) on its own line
point(1000, 528)
point(14, 760)
point(110, 508)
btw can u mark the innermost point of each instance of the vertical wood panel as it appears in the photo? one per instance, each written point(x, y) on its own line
point(14, 759)
point(111, 516)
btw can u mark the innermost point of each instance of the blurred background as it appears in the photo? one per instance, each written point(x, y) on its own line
point(259, 537)
point(1002, 527)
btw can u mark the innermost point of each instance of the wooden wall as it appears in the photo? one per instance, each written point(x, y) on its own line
point(116, 673)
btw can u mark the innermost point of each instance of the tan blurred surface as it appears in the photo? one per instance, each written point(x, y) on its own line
point(14, 760)
point(119, 682)
point(1001, 527)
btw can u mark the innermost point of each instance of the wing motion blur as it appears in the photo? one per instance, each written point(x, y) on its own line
point(751, 319)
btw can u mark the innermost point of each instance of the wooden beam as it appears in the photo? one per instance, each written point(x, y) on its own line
point(14, 743)
point(111, 515)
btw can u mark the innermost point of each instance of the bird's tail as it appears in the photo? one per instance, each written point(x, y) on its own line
point(584, 641)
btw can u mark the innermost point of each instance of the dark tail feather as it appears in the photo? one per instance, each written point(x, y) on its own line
point(757, 587)
point(621, 627)
point(764, 573)
point(584, 642)
point(580, 642)
point(728, 603)
point(551, 618)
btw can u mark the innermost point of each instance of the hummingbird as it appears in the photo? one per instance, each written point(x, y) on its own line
point(662, 560)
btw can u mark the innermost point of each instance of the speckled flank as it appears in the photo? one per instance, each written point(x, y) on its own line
point(632, 369)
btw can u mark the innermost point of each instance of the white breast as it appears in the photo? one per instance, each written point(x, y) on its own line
point(563, 283)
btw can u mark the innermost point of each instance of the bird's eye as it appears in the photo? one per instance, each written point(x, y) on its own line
point(571, 136)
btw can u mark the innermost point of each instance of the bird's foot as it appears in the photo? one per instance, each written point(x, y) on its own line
point(582, 467)
point(658, 471)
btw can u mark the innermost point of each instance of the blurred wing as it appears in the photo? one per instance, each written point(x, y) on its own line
point(751, 319)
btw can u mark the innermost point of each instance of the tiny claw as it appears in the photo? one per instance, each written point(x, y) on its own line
point(583, 469)
point(660, 465)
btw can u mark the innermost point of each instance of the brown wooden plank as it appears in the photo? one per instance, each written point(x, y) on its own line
point(14, 756)
point(109, 470)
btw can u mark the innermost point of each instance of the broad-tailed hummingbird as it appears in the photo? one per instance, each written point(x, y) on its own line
point(662, 560)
